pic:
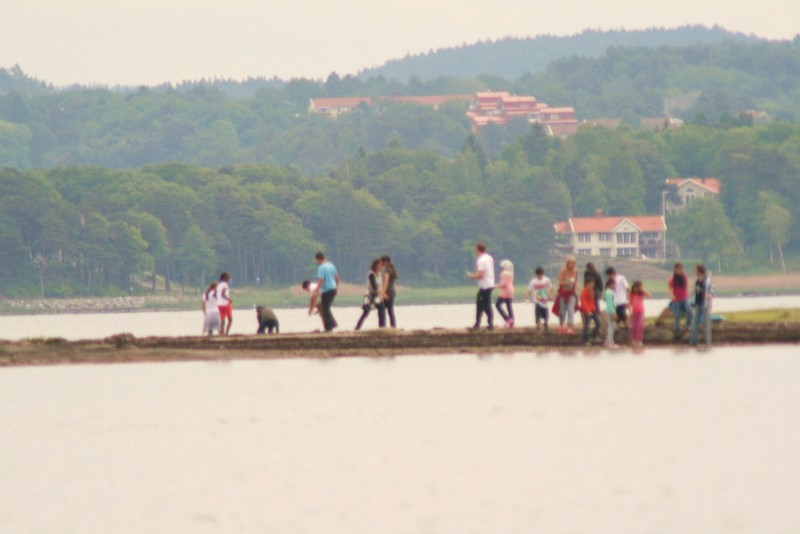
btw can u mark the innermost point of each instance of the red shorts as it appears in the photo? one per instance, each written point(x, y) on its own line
point(226, 312)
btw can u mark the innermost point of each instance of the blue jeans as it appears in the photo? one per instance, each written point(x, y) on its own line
point(680, 308)
point(701, 317)
point(566, 310)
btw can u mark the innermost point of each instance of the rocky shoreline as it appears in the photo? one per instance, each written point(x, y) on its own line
point(124, 348)
point(91, 304)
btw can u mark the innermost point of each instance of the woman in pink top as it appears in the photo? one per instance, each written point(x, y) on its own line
point(506, 296)
point(638, 293)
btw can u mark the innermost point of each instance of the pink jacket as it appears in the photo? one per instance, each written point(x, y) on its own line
point(506, 286)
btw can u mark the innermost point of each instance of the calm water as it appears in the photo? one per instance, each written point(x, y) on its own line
point(87, 326)
point(659, 441)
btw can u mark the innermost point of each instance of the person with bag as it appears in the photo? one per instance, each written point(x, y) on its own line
point(372, 297)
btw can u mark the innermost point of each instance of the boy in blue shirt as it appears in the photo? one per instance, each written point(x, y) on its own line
point(327, 284)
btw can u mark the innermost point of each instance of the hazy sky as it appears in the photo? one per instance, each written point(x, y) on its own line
point(153, 41)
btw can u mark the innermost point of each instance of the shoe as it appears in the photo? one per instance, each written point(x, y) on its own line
point(474, 328)
point(570, 331)
point(507, 323)
point(511, 323)
point(490, 327)
point(560, 330)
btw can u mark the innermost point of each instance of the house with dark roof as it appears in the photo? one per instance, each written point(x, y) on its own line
point(631, 236)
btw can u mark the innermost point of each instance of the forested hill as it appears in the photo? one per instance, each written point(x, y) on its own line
point(512, 57)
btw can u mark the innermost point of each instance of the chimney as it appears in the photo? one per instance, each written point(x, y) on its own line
point(598, 213)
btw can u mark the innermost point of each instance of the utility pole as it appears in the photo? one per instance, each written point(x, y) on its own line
point(664, 218)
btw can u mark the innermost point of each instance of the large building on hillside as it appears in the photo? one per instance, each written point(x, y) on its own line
point(633, 236)
point(501, 107)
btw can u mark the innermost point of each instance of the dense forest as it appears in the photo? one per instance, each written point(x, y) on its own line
point(201, 125)
point(76, 229)
point(521, 56)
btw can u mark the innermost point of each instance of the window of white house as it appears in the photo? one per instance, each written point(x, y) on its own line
point(584, 237)
point(605, 252)
point(688, 195)
point(650, 235)
point(626, 252)
point(626, 237)
point(605, 237)
point(584, 252)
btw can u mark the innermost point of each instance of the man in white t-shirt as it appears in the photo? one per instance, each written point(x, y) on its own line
point(622, 292)
point(541, 291)
point(484, 274)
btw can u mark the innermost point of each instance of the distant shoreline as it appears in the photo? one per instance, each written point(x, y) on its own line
point(351, 295)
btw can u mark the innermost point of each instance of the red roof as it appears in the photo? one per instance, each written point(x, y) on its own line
point(710, 184)
point(588, 225)
point(345, 102)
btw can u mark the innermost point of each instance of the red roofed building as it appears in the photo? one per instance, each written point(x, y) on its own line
point(500, 107)
point(687, 189)
point(633, 236)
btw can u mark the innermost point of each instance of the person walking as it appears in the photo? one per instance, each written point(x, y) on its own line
point(210, 310)
point(701, 304)
point(372, 298)
point(484, 275)
point(388, 290)
point(591, 274)
point(225, 304)
point(567, 298)
point(327, 284)
point(680, 305)
point(638, 294)
point(621, 294)
point(506, 296)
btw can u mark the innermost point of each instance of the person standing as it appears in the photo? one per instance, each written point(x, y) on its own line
point(210, 310)
point(611, 313)
point(388, 289)
point(702, 305)
point(591, 274)
point(225, 304)
point(484, 274)
point(621, 294)
point(327, 283)
point(372, 298)
point(680, 304)
point(589, 310)
point(567, 295)
point(506, 296)
point(541, 288)
point(638, 294)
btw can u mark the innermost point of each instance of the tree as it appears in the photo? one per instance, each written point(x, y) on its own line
point(704, 229)
point(775, 222)
point(195, 257)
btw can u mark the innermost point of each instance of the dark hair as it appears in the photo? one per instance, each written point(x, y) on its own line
point(590, 267)
point(540, 270)
point(225, 277)
point(611, 271)
point(481, 246)
point(677, 264)
point(306, 283)
point(678, 280)
point(375, 264)
point(701, 268)
point(588, 282)
point(637, 287)
point(211, 288)
point(386, 259)
point(320, 255)
point(610, 282)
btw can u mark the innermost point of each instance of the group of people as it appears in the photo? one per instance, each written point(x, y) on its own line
point(623, 303)
point(618, 297)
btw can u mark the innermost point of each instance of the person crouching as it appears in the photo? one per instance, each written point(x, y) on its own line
point(267, 320)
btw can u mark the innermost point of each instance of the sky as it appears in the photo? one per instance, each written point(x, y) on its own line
point(149, 42)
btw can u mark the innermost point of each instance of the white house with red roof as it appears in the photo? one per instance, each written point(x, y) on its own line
point(631, 236)
point(688, 189)
point(501, 107)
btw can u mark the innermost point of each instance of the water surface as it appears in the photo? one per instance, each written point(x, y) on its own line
point(657, 441)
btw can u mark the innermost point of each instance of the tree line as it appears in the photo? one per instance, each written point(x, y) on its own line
point(79, 229)
point(204, 125)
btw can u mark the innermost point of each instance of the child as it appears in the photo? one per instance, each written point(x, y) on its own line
point(210, 310)
point(589, 311)
point(638, 293)
point(702, 304)
point(611, 312)
point(542, 290)
point(506, 296)
point(267, 320)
